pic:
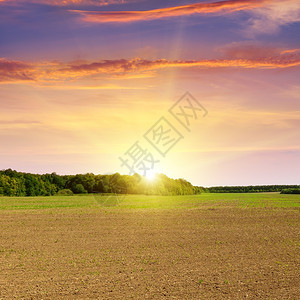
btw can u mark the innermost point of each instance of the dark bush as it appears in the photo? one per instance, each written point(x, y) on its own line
point(79, 189)
point(64, 192)
point(290, 191)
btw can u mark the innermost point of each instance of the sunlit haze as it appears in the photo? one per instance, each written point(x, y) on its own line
point(82, 81)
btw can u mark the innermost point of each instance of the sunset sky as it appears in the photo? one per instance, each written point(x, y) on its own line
point(82, 80)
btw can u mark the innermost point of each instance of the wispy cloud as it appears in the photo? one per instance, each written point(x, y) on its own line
point(15, 70)
point(289, 51)
point(249, 50)
point(69, 2)
point(62, 72)
point(184, 10)
point(124, 66)
point(269, 18)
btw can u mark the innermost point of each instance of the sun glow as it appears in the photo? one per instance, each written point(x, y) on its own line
point(150, 176)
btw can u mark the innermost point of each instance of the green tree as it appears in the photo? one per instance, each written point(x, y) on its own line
point(79, 189)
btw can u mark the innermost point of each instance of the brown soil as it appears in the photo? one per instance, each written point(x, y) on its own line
point(221, 253)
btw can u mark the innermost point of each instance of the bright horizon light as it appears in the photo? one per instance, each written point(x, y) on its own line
point(150, 176)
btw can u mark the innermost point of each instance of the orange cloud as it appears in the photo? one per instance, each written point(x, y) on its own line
point(71, 2)
point(14, 70)
point(62, 72)
point(123, 66)
point(184, 10)
point(289, 51)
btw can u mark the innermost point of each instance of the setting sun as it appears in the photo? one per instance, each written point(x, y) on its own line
point(150, 176)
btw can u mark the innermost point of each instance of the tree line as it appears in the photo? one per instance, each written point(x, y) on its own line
point(250, 189)
point(13, 183)
point(291, 191)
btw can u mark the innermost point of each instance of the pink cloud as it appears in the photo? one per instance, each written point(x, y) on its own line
point(184, 10)
point(61, 72)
